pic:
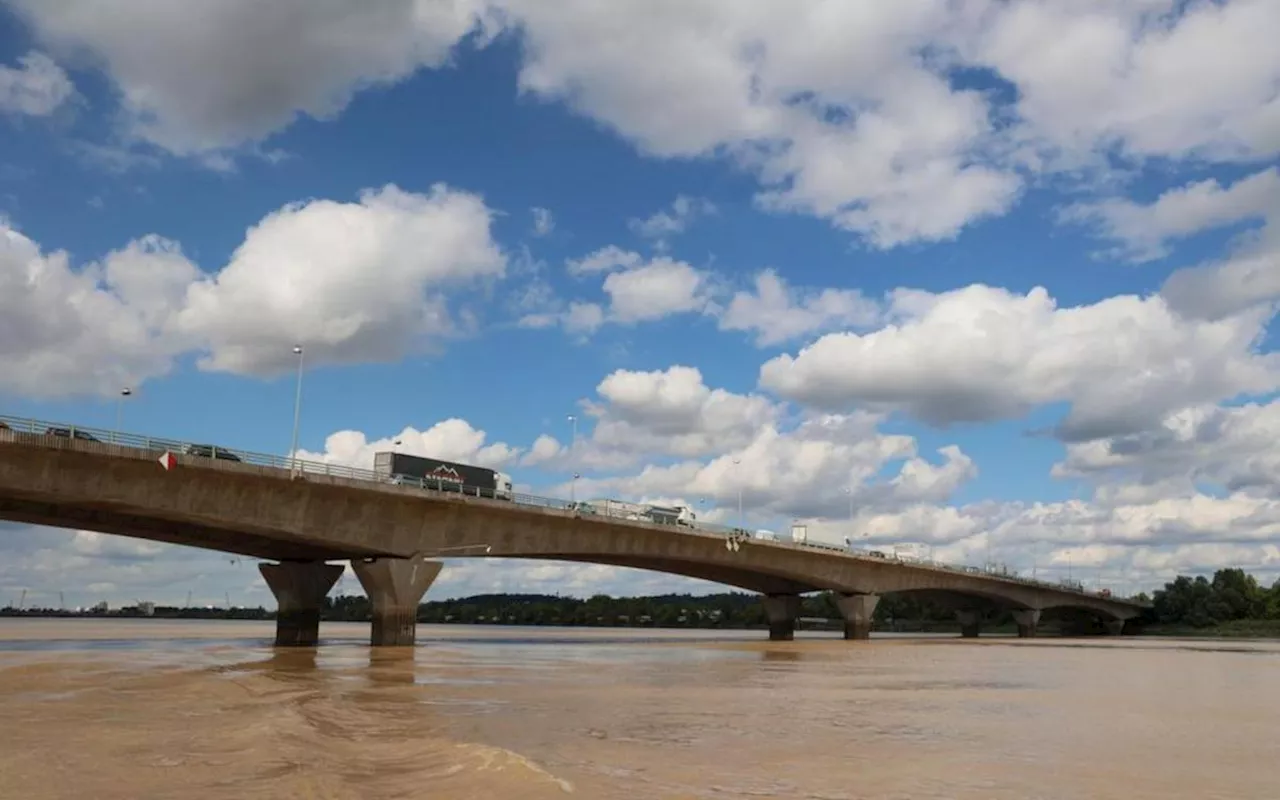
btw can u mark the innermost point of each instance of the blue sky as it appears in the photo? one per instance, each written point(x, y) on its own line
point(1008, 273)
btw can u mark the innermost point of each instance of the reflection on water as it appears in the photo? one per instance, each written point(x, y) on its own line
point(129, 709)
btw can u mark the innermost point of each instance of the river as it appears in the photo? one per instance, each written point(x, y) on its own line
point(208, 709)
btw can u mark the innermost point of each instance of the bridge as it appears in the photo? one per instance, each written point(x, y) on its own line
point(302, 515)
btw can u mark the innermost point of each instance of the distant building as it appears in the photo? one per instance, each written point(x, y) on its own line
point(147, 608)
point(101, 608)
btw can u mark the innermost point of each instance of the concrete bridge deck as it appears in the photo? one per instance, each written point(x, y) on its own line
point(302, 515)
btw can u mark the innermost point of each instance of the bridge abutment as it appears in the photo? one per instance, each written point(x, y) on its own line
point(300, 588)
point(395, 586)
point(1027, 619)
point(858, 611)
point(781, 611)
point(970, 623)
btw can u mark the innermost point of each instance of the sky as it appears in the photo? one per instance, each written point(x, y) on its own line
point(995, 279)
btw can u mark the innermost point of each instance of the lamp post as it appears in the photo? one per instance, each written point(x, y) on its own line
point(573, 441)
point(737, 474)
point(573, 490)
point(124, 393)
point(297, 412)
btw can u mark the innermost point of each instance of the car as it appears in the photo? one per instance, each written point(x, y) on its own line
point(71, 433)
point(210, 451)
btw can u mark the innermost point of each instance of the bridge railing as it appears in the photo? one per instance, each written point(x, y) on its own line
point(159, 445)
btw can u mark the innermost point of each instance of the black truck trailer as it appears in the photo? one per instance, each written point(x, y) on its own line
point(445, 476)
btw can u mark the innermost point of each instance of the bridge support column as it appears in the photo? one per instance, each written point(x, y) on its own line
point(857, 610)
point(395, 586)
point(1115, 627)
point(782, 610)
point(300, 588)
point(1027, 620)
point(970, 622)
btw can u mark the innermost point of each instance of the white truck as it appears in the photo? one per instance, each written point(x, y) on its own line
point(640, 512)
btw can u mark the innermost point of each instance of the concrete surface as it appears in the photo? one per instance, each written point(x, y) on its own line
point(265, 513)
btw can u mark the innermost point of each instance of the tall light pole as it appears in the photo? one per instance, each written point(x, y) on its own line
point(573, 490)
point(573, 441)
point(297, 412)
point(124, 393)
point(738, 475)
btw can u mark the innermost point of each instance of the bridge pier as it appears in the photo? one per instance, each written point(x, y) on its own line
point(1027, 619)
point(1115, 627)
point(395, 586)
point(781, 611)
point(970, 622)
point(300, 588)
point(858, 611)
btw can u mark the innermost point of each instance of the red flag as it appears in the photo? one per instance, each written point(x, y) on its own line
point(167, 460)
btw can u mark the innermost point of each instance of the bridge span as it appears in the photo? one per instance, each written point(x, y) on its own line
point(303, 515)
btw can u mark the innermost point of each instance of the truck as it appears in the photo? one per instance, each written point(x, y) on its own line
point(445, 476)
point(640, 512)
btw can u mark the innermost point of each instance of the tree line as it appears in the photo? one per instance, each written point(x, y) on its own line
point(1231, 597)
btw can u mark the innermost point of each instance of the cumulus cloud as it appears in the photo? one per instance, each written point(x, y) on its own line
point(451, 439)
point(37, 87)
point(90, 330)
point(208, 75)
point(1232, 447)
point(777, 313)
point(981, 353)
point(362, 281)
point(350, 281)
point(635, 290)
point(1250, 274)
point(1145, 230)
point(851, 111)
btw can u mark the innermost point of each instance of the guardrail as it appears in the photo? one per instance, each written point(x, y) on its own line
point(160, 445)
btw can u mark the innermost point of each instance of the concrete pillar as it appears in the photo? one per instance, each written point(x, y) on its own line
point(1027, 620)
point(300, 588)
point(782, 610)
point(970, 621)
point(395, 586)
point(857, 610)
point(1115, 627)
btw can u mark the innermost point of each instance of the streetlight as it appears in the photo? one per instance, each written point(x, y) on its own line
point(297, 412)
point(737, 475)
point(124, 393)
point(573, 442)
point(573, 491)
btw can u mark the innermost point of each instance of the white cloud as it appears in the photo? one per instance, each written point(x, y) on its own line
point(777, 312)
point(636, 290)
point(1147, 78)
point(543, 221)
point(349, 281)
point(203, 76)
point(1232, 447)
point(1250, 274)
point(605, 259)
point(451, 440)
point(815, 468)
point(94, 330)
point(662, 224)
point(658, 289)
point(1146, 229)
point(981, 353)
point(363, 281)
point(37, 87)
